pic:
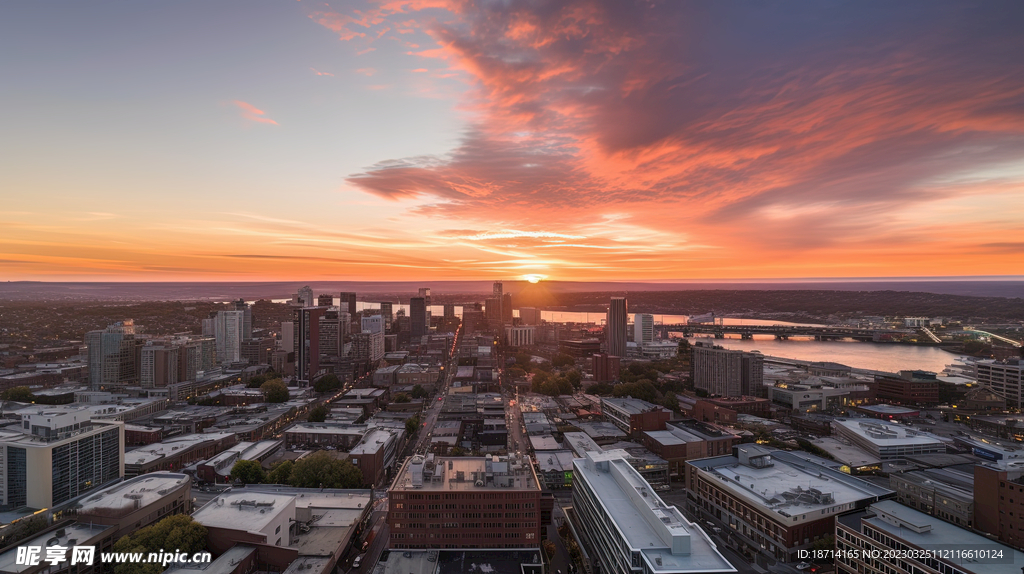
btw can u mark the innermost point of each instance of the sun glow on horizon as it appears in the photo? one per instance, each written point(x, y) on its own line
point(534, 278)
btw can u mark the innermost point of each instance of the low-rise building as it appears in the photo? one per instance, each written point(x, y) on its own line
point(137, 502)
point(945, 493)
point(176, 453)
point(554, 468)
point(65, 535)
point(218, 468)
point(329, 434)
point(375, 453)
point(634, 416)
point(908, 388)
point(773, 501)
point(887, 440)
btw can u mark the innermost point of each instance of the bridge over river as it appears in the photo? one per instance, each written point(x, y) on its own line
point(824, 333)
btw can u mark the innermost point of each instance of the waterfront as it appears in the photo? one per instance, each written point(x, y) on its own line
point(891, 357)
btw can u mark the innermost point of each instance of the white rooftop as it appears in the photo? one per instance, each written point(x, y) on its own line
point(372, 442)
point(76, 533)
point(146, 489)
point(666, 539)
point(884, 433)
point(250, 511)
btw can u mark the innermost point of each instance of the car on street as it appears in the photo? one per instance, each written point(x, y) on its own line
point(358, 561)
point(803, 566)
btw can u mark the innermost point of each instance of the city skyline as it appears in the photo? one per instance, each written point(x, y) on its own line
point(581, 141)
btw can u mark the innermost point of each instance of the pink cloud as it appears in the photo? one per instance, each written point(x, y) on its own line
point(252, 113)
point(319, 73)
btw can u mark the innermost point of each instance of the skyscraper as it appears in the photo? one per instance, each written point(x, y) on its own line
point(158, 365)
point(727, 373)
point(307, 341)
point(228, 328)
point(449, 310)
point(425, 293)
point(417, 319)
point(643, 328)
point(112, 359)
point(325, 300)
point(246, 310)
point(387, 311)
point(506, 308)
point(499, 299)
point(615, 327)
point(347, 303)
point(304, 297)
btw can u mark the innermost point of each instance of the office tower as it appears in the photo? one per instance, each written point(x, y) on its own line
point(499, 299)
point(210, 325)
point(418, 327)
point(387, 311)
point(643, 329)
point(347, 303)
point(368, 346)
point(258, 351)
point(727, 373)
point(304, 297)
point(625, 527)
point(529, 315)
point(373, 324)
point(467, 481)
point(449, 310)
point(333, 328)
point(190, 360)
point(112, 359)
point(615, 327)
point(158, 365)
point(506, 308)
point(287, 336)
point(307, 342)
point(492, 311)
point(228, 327)
point(246, 310)
point(520, 335)
point(473, 321)
point(325, 300)
point(58, 453)
point(425, 293)
point(1005, 378)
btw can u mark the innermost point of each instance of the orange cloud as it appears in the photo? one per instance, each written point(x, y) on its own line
point(252, 113)
point(319, 73)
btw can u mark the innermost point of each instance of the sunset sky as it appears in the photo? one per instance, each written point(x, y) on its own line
point(577, 140)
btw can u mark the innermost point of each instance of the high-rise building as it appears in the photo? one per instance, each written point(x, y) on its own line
point(112, 358)
point(449, 310)
point(506, 308)
point(615, 327)
point(492, 310)
point(368, 346)
point(228, 329)
point(307, 341)
point(643, 328)
point(56, 454)
point(606, 368)
point(418, 326)
point(288, 336)
point(158, 365)
point(304, 297)
point(325, 300)
point(625, 527)
point(529, 315)
point(492, 482)
point(425, 293)
point(521, 335)
point(246, 310)
point(258, 350)
point(373, 324)
point(347, 303)
point(387, 311)
point(727, 373)
point(497, 293)
point(1005, 378)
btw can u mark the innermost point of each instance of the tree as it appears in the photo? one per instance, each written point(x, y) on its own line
point(174, 533)
point(601, 389)
point(317, 414)
point(827, 542)
point(256, 382)
point(18, 394)
point(412, 425)
point(575, 378)
point(549, 548)
point(516, 373)
point(418, 392)
point(327, 383)
point(274, 391)
point(563, 360)
point(281, 473)
point(248, 472)
point(538, 380)
point(321, 470)
point(564, 386)
point(701, 393)
point(402, 398)
point(523, 360)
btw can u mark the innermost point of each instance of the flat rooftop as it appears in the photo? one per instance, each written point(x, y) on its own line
point(120, 498)
point(328, 428)
point(580, 443)
point(224, 564)
point(245, 510)
point(156, 451)
point(372, 442)
point(648, 524)
point(630, 406)
point(850, 455)
point(883, 433)
point(889, 409)
point(442, 473)
point(544, 443)
point(555, 460)
point(791, 486)
point(75, 533)
point(945, 536)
